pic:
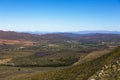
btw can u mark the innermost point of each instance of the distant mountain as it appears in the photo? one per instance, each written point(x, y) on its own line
point(11, 35)
point(37, 32)
point(57, 37)
point(103, 32)
point(77, 32)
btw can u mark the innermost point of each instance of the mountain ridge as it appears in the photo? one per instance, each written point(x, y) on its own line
point(93, 37)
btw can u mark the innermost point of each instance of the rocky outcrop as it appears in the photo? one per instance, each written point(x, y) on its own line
point(108, 72)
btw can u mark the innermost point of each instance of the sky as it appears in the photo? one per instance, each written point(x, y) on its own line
point(59, 15)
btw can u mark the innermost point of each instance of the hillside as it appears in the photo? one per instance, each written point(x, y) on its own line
point(60, 37)
point(11, 35)
point(107, 67)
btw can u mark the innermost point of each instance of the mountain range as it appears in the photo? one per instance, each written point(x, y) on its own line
point(76, 32)
point(82, 36)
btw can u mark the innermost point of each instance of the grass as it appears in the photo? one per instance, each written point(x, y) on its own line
point(78, 72)
point(55, 59)
point(8, 72)
point(93, 55)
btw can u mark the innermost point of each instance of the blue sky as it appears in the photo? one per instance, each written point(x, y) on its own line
point(59, 15)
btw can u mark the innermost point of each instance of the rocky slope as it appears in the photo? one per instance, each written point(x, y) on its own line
point(108, 72)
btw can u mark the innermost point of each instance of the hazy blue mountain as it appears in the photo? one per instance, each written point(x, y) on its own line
point(37, 32)
point(77, 32)
point(103, 32)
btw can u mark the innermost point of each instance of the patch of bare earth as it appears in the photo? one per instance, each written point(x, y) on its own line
point(27, 43)
point(4, 61)
point(92, 55)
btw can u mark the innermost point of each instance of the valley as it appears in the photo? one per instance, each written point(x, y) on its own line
point(59, 56)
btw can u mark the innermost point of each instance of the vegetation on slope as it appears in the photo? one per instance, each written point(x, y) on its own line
point(79, 72)
point(47, 59)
